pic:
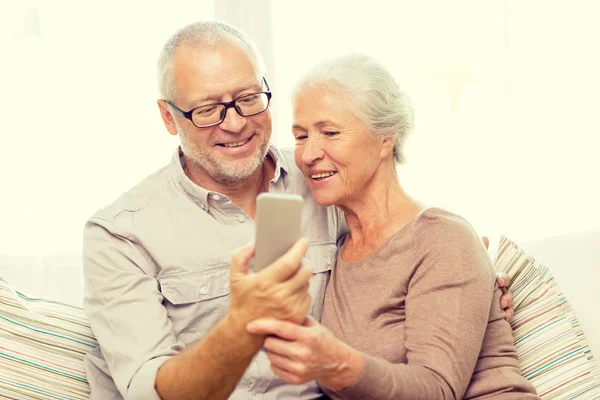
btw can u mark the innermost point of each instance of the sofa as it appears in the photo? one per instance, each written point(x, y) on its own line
point(556, 326)
point(575, 262)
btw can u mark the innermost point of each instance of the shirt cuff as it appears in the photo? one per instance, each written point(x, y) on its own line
point(142, 383)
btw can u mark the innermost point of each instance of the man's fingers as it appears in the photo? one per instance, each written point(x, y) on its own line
point(502, 279)
point(506, 300)
point(486, 242)
point(509, 313)
point(286, 266)
point(240, 259)
point(270, 326)
point(300, 281)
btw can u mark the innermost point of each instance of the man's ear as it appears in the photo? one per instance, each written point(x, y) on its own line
point(167, 117)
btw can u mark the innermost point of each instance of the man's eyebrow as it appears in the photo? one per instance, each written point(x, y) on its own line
point(217, 98)
point(255, 86)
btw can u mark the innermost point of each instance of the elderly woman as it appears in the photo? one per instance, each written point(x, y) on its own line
point(411, 309)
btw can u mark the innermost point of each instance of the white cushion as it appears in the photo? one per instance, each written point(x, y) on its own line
point(552, 348)
point(575, 263)
point(42, 345)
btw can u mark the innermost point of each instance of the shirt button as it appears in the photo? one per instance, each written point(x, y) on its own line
point(203, 290)
point(241, 218)
point(216, 197)
point(202, 206)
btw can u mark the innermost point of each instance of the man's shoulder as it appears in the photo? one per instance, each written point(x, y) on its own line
point(287, 154)
point(137, 197)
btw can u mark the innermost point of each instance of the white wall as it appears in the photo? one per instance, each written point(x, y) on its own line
point(81, 124)
point(553, 132)
point(506, 98)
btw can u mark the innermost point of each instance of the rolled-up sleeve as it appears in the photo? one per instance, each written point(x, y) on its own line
point(124, 306)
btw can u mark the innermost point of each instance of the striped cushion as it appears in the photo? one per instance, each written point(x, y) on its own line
point(552, 348)
point(42, 344)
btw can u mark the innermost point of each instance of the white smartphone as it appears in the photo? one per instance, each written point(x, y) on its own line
point(278, 226)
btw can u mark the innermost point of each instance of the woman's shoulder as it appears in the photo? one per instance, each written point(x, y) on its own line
point(443, 236)
point(442, 228)
point(436, 219)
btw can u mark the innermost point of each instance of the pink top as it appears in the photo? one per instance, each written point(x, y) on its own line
point(424, 309)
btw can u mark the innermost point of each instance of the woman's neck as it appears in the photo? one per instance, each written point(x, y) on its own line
point(379, 211)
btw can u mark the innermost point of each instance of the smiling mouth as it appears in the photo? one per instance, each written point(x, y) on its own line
point(236, 144)
point(322, 175)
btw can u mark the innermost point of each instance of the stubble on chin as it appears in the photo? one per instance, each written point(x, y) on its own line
point(220, 169)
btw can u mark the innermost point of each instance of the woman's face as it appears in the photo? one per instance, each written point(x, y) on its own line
point(334, 149)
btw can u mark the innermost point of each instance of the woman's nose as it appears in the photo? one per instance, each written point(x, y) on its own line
point(313, 150)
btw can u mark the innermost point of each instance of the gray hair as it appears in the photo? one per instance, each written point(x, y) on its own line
point(203, 34)
point(376, 97)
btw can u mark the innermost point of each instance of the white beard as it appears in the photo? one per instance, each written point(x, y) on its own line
point(222, 170)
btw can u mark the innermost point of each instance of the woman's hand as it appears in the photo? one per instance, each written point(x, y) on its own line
point(301, 353)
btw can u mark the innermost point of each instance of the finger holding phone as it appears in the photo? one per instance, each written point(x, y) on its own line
point(278, 286)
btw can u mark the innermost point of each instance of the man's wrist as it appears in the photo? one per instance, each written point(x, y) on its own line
point(236, 329)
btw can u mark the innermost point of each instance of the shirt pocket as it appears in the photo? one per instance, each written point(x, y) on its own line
point(196, 299)
point(320, 257)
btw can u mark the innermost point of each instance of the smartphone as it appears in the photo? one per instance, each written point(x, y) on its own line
point(278, 226)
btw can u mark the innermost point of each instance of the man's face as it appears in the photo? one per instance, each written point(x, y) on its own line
point(234, 149)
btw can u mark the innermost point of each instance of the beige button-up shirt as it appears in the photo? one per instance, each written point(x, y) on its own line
point(156, 267)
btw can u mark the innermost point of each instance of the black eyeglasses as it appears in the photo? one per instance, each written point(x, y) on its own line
point(213, 114)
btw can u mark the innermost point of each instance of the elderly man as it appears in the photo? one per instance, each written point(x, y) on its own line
point(170, 322)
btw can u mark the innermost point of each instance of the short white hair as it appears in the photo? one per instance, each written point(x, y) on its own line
point(203, 34)
point(372, 91)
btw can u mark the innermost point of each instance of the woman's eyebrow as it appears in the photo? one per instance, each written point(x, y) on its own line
point(320, 124)
point(298, 127)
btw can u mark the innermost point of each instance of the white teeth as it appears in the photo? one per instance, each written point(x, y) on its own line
point(323, 175)
point(234, 144)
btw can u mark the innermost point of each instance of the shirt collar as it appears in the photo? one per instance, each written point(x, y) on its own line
point(199, 195)
point(281, 166)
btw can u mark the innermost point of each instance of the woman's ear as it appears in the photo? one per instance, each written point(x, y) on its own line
point(387, 146)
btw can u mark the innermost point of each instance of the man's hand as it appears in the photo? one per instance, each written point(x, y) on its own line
point(302, 353)
point(278, 291)
point(486, 242)
point(506, 300)
point(503, 280)
point(211, 367)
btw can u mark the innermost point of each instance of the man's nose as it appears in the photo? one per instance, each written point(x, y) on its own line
point(233, 121)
